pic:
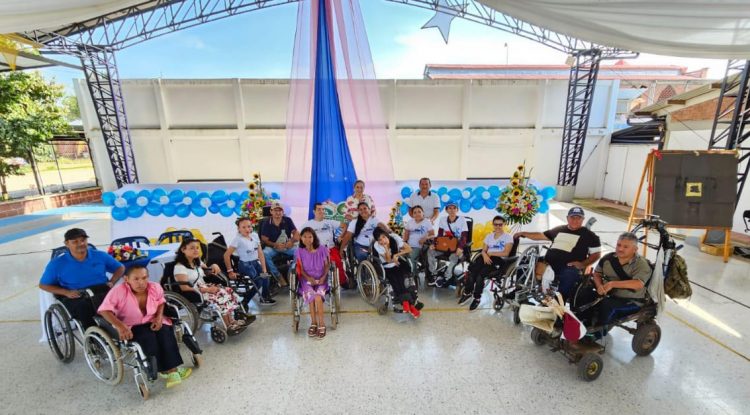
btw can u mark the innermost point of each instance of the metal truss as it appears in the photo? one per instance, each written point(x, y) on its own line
point(577, 110)
point(731, 127)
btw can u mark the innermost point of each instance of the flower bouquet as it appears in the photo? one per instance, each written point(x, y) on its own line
point(125, 253)
point(252, 208)
point(396, 221)
point(518, 202)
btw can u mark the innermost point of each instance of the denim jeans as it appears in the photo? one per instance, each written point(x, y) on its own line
point(361, 252)
point(253, 270)
point(568, 278)
point(271, 253)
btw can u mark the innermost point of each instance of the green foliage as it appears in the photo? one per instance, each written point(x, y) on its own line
point(30, 114)
point(73, 111)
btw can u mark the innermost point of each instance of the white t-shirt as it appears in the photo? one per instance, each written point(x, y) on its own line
point(195, 275)
point(417, 231)
point(381, 250)
point(497, 245)
point(365, 235)
point(325, 229)
point(428, 203)
point(458, 227)
point(246, 247)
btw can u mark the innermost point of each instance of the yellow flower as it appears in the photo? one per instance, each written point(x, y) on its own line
point(514, 183)
point(256, 176)
point(258, 204)
point(251, 186)
point(520, 167)
point(516, 192)
point(398, 203)
point(251, 195)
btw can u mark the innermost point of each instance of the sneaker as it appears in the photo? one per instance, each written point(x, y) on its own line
point(184, 372)
point(414, 311)
point(267, 301)
point(464, 298)
point(173, 379)
point(474, 304)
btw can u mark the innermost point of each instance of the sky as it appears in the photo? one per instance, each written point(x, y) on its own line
point(259, 44)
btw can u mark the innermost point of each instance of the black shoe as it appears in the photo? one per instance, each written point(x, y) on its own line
point(440, 282)
point(419, 305)
point(474, 304)
point(267, 301)
point(464, 298)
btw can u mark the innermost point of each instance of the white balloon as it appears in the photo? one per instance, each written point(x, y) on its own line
point(164, 200)
point(120, 202)
point(205, 202)
point(231, 204)
point(141, 201)
point(187, 200)
point(485, 195)
point(445, 198)
point(466, 194)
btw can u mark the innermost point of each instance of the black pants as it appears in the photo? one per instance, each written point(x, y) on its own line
point(477, 270)
point(395, 276)
point(162, 344)
point(607, 310)
point(84, 309)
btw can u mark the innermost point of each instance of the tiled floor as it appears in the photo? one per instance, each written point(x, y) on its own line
point(449, 361)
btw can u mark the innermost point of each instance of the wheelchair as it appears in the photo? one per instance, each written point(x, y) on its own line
point(646, 331)
point(333, 297)
point(374, 287)
point(460, 272)
point(194, 310)
point(107, 355)
point(243, 285)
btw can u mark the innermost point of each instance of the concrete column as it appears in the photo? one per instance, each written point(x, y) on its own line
point(243, 140)
point(465, 129)
point(166, 139)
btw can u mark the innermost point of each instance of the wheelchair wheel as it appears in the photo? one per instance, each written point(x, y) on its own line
point(590, 367)
point(185, 309)
point(142, 386)
point(197, 360)
point(538, 336)
point(218, 335)
point(59, 333)
point(294, 301)
point(516, 315)
point(102, 356)
point(498, 303)
point(367, 280)
point(335, 301)
point(646, 338)
point(383, 308)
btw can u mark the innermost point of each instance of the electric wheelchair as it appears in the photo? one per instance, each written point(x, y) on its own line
point(333, 296)
point(646, 331)
point(194, 310)
point(374, 286)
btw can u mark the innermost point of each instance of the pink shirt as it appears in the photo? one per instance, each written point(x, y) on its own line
point(124, 305)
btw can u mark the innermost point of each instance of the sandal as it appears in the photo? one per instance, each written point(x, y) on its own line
point(321, 332)
point(312, 331)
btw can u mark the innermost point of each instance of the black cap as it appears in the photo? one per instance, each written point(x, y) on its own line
point(75, 233)
point(576, 211)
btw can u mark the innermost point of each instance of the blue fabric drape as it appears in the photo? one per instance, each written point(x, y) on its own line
point(333, 173)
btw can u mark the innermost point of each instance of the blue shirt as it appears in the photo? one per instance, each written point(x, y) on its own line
point(67, 272)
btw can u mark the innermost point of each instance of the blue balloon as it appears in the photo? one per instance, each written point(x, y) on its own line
point(275, 196)
point(157, 193)
point(129, 196)
point(441, 191)
point(203, 195)
point(455, 194)
point(549, 192)
point(153, 209)
point(225, 211)
point(144, 193)
point(119, 214)
point(135, 211)
point(494, 191)
point(244, 195)
point(108, 198)
point(176, 196)
point(465, 206)
point(238, 210)
point(213, 209)
point(404, 209)
point(183, 211)
point(219, 197)
point(478, 191)
point(235, 196)
point(168, 210)
point(543, 207)
point(490, 203)
point(191, 194)
point(477, 203)
point(198, 211)
point(405, 192)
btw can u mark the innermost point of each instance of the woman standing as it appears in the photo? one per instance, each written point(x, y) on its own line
point(353, 201)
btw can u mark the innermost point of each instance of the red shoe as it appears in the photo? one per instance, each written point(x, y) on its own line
point(414, 311)
point(406, 307)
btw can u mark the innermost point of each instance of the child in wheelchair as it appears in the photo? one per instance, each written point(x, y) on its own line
point(418, 233)
point(252, 262)
point(136, 311)
point(389, 248)
point(312, 270)
point(189, 274)
point(450, 246)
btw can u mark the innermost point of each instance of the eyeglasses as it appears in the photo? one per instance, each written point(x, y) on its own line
point(497, 224)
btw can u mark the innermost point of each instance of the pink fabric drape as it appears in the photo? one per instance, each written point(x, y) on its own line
point(359, 98)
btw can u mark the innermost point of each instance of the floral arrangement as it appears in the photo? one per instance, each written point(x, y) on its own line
point(257, 198)
point(518, 202)
point(396, 221)
point(125, 253)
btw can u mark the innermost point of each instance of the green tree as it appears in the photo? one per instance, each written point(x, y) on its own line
point(31, 113)
point(73, 112)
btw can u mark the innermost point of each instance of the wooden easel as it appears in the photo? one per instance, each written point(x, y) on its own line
point(647, 176)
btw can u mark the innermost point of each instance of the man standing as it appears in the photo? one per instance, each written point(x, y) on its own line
point(81, 268)
point(574, 247)
point(279, 236)
point(426, 199)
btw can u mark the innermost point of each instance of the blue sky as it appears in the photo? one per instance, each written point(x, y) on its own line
point(259, 44)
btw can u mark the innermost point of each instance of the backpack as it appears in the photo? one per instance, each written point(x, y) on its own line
point(676, 285)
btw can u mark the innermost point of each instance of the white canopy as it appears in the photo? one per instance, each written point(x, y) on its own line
point(688, 28)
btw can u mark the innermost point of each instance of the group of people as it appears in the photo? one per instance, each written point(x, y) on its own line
point(136, 308)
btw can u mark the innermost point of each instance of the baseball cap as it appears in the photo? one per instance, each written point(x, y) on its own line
point(276, 205)
point(576, 211)
point(75, 233)
point(451, 203)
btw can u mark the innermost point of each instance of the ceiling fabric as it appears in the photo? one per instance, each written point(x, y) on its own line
point(27, 15)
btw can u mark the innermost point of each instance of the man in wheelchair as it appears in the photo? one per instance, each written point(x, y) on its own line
point(81, 268)
point(574, 247)
point(279, 237)
point(619, 285)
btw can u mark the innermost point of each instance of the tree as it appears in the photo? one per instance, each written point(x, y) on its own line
point(31, 113)
point(73, 112)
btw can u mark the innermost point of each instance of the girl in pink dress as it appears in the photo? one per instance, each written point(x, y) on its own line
point(312, 266)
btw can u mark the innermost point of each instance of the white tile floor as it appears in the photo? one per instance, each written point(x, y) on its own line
point(449, 361)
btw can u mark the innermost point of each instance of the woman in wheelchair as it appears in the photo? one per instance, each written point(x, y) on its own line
point(449, 227)
point(497, 245)
point(361, 230)
point(389, 248)
point(136, 310)
point(312, 268)
point(252, 262)
point(417, 233)
point(189, 273)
